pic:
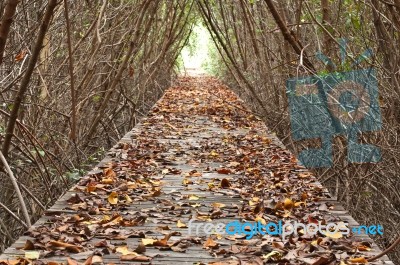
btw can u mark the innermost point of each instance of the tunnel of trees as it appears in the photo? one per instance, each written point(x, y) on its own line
point(75, 76)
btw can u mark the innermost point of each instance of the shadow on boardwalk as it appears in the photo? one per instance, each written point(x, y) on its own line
point(199, 155)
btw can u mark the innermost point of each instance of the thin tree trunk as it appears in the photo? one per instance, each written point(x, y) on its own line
point(327, 24)
point(26, 78)
point(5, 24)
point(71, 73)
point(16, 188)
point(117, 78)
point(287, 35)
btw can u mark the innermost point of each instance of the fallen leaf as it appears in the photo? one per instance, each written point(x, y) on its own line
point(134, 258)
point(61, 245)
point(163, 242)
point(193, 198)
point(141, 248)
point(217, 205)
point(113, 198)
point(131, 71)
point(213, 153)
point(180, 224)
point(32, 255)
point(225, 184)
point(358, 260)
point(127, 198)
point(148, 241)
point(363, 248)
point(20, 56)
point(210, 243)
point(224, 171)
point(288, 204)
point(107, 181)
point(125, 251)
point(92, 260)
point(28, 245)
point(72, 262)
point(109, 173)
point(274, 255)
point(335, 235)
point(91, 187)
point(13, 262)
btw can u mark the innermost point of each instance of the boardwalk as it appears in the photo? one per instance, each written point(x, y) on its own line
point(199, 155)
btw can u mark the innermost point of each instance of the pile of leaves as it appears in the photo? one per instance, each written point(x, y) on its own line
point(199, 155)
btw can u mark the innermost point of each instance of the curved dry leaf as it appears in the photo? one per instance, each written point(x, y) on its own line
point(180, 224)
point(134, 258)
point(109, 173)
point(210, 243)
point(72, 262)
point(141, 248)
point(225, 183)
point(125, 251)
point(193, 198)
point(288, 204)
point(113, 198)
point(148, 241)
point(358, 260)
point(28, 245)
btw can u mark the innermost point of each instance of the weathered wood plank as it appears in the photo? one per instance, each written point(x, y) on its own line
point(173, 166)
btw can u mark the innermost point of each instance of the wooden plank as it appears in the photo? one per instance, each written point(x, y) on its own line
point(188, 141)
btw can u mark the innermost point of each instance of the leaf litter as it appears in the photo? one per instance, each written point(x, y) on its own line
point(199, 155)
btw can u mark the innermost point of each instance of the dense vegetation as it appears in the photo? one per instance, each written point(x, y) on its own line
point(260, 44)
point(76, 75)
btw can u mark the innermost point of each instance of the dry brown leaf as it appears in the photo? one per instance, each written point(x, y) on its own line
point(217, 205)
point(62, 245)
point(20, 56)
point(28, 245)
point(210, 243)
point(72, 262)
point(224, 171)
point(358, 260)
point(127, 198)
point(109, 173)
point(93, 260)
point(288, 204)
point(193, 198)
point(141, 248)
point(91, 187)
point(148, 241)
point(134, 258)
point(156, 193)
point(180, 224)
point(363, 248)
point(13, 262)
point(225, 183)
point(113, 198)
point(163, 242)
point(107, 181)
point(125, 251)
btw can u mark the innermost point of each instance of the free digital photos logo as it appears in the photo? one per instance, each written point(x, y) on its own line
point(338, 103)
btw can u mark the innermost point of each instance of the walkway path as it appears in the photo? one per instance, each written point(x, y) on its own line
point(200, 154)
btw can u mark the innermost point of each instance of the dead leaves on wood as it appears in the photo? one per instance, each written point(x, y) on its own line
point(151, 188)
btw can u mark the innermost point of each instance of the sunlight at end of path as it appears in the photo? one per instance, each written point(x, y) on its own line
point(195, 55)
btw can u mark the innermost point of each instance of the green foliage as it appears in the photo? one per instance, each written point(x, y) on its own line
point(96, 98)
point(75, 174)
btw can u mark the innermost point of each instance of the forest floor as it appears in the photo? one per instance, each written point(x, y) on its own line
point(199, 155)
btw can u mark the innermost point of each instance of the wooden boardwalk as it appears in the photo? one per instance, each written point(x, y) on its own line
point(200, 154)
